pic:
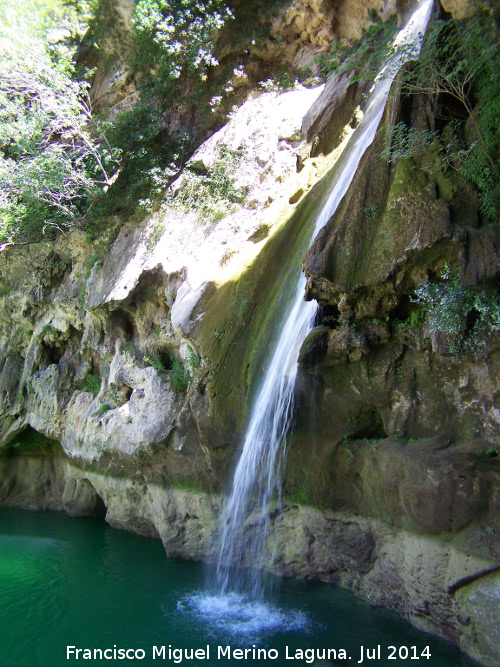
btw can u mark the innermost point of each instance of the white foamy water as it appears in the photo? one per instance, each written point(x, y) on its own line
point(237, 615)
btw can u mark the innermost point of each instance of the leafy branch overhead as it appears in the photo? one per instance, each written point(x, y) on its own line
point(172, 51)
point(54, 160)
point(179, 33)
point(57, 160)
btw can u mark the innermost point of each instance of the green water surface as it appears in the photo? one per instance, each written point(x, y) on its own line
point(78, 582)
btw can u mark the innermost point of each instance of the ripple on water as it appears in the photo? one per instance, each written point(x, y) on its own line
point(238, 615)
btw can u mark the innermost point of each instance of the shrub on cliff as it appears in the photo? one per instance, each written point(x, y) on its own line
point(57, 160)
point(460, 62)
point(466, 316)
point(172, 53)
point(54, 158)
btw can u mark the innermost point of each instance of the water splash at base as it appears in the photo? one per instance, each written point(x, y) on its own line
point(238, 615)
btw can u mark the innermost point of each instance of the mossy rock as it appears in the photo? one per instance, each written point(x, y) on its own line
point(242, 318)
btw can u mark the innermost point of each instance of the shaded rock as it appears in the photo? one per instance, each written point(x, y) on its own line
point(325, 121)
point(314, 347)
point(366, 242)
point(81, 499)
point(344, 345)
point(460, 9)
point(185, 520)
point(481, 259)
point(296, 196)
point(36, 482)
point(480, 601)
point(127, 428)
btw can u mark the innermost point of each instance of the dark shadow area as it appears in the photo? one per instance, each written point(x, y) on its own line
point(31, 441)
point(370, 425)
point(121, 323)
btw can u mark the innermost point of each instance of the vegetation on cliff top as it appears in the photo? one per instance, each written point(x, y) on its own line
point(365, 56)
point(460, 62)
point(59, 162)
point(54, 157)
point(171, 56)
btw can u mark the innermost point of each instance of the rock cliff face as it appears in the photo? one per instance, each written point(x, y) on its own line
point(128, 365)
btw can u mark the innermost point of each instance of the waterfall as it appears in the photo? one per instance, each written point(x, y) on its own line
point(256, 482)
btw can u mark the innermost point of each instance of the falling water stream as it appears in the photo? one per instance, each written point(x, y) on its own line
point(238, 591)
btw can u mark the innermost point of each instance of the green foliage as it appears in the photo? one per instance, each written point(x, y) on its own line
point(299, 498)
point(460, 59)
point(130, 349)
point(492, 452)
point(346, 441)
point(104, 407)
point(194, 360)
point(466, 316)
point(95, 260)
point(219, 334)
point(117, 400)
point(46, 330)
point(57, 264)
point(156, 231)
point(412, 323)
point(214, 194)
point(172, 44)
point(59, 163)
point(181, 377)
point(364, 56)
point(31, 440)
point(92, 383)
point(177, 35)
point(54, 158)
point(362, 441)
point(416, 319)
point(282, 79)
point(153, 158)
point(371, 211)
point(406, 142)
point(82, 296)
point(153, 359)
point(407, 441)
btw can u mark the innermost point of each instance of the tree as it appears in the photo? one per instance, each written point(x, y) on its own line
point(54, 159)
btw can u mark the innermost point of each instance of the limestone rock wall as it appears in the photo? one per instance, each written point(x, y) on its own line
point(121, 351)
